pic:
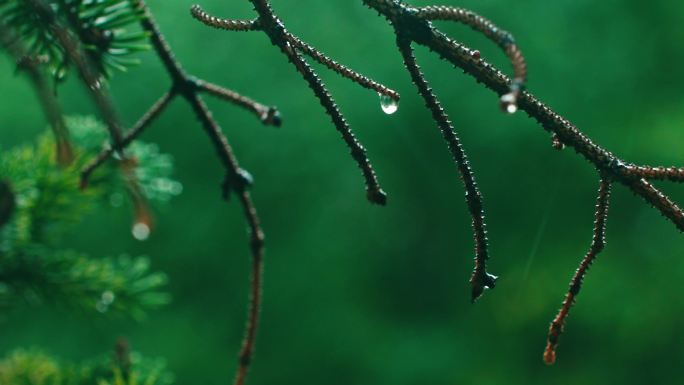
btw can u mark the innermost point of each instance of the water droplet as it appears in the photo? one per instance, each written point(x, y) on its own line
point(95, 85)
point(101, 307)
point(141, 231)
point(108, 297)
point(176, 188)
point(509, 103)
point(389, 105)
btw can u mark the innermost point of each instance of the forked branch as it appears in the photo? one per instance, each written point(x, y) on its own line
point(598, 242)
point(293, 48)
point(412, 25)
point(238, 180)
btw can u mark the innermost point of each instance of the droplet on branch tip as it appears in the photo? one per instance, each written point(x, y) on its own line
point(389, 105)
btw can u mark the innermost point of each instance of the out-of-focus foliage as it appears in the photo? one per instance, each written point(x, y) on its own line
point(49, 201)
point(101, 26)
point(33, 367)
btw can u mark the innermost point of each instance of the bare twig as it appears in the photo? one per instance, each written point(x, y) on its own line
point(48, 101)
point(237, 179)
point(597, 244)
point(149, 116)
point(413, 25)
point(480, 280)
point(293, 47)
point(267, 114)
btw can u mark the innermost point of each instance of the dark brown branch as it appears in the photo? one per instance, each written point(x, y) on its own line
point(374, 192)
point(597, 244)
point(480, 279)
point(673, 174)
point(341, 69)
point(238, 25)
point(181, 83)
point(188, 87)
point(227, 24)
point(502, 38)
point(289, 44)
point(267, 115)
point(659, 201)
point(149, 116)
point(48, 101)
point(410, 26)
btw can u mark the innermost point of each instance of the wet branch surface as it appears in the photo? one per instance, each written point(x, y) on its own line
point(413, 25)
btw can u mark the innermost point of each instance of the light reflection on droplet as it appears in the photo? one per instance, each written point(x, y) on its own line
point(141, 231)
point(101, 307)
point(389, 105)
point(108, 297)
point(509, 103)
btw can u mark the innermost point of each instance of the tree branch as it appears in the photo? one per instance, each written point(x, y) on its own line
point(289, 44)
point(412, 25)
point(237, 179)
point(597, 244)
point(147, 119)
point(480, 280)
point(48, 101)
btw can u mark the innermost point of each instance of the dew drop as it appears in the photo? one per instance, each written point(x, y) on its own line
point(141, 231)
point(509, 103)
point(389, 105)
point(101, 307)
point(108, 297)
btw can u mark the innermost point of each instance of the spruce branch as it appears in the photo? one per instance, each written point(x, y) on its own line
point(74, 51)
point(293, 48)
point(413, 25)
point(73, 280)
point(45, 199)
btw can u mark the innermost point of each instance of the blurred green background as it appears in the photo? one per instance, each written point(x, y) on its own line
point(358, 294)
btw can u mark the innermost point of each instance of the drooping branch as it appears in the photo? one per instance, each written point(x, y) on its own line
point(51, 108)
point(293, 48)
point(597, 244)
point(480, 279)
point(238, 180)
point(412, 25)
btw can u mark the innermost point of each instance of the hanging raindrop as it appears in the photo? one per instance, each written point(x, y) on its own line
point(141, 231)
point(389, 105)
point(509, 103)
